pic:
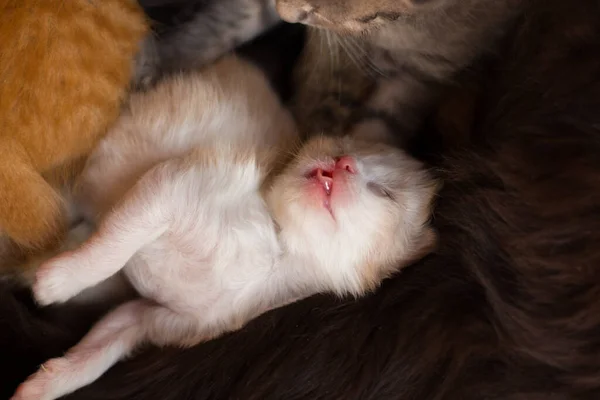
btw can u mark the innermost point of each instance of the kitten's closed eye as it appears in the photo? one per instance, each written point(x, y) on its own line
point(379, 190)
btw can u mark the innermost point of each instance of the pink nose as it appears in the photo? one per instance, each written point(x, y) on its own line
point(347, 163)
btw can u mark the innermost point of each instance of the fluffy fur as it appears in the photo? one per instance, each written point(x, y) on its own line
point(387, 61)
point(191, 160)
point(506, 309)
point(65, 66)
point(369, 65)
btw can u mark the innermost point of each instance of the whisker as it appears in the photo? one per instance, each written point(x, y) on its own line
point(359, 60)
point(355, 60)
point(359, 46)
point(330, 52)
point(355, 46)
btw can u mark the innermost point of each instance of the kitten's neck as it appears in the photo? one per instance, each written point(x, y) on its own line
point(311, 266)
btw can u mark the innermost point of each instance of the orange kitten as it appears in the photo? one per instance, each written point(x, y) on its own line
point(65, 66)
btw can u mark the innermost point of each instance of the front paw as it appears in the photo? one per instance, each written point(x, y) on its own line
point(55, 283)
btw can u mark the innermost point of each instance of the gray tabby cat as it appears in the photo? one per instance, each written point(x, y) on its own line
point(389, 58)
point(368, 65)
point(218, 27)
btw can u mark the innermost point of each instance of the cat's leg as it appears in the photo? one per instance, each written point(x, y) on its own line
point(394, 111)
point(374, 124)
point(216, 30)
point(139, 220)
point(111, 340)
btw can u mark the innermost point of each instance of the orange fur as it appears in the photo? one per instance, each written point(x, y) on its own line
point(65, 67)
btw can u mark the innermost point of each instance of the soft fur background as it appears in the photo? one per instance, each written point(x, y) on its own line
point(508, 307)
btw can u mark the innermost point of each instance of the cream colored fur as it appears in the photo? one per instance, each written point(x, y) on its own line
point(210, 235)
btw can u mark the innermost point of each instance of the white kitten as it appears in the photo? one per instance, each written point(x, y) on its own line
point(209, 238)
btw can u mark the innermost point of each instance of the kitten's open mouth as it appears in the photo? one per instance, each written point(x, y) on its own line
point(324, 175)
point(327, 178)
point(323, 178)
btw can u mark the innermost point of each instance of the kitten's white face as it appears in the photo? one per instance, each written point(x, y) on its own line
point(346, 201)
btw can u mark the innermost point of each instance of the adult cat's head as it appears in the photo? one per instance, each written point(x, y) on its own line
point(352, 16)
point(354, 205)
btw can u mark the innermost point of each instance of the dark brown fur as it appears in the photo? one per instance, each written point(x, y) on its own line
point(509, 306)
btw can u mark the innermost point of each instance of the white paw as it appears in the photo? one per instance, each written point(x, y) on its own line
point(39, 386)
point(55, 283)
point(31, 390)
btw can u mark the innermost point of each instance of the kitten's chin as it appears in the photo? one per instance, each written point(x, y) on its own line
point(318, 200)
point(326, 197)
point(303, 212)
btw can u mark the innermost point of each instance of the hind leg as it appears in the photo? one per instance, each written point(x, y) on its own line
point(111, 340)
point(165, 327)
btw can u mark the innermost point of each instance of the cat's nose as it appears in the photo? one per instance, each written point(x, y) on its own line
point(294, 10)
point(346, 163)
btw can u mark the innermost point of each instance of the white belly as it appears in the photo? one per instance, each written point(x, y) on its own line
point(209, 258)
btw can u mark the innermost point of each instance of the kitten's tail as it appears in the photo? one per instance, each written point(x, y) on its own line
point(31, 211)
